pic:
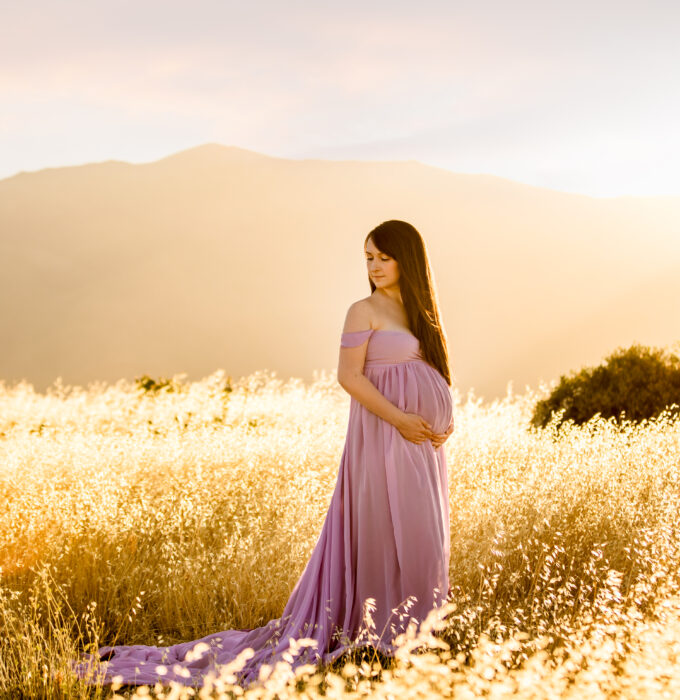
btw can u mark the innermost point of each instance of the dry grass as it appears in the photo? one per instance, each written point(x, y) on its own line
point(132, 518)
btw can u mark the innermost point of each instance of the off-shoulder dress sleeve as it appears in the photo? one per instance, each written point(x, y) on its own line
point(354, 338)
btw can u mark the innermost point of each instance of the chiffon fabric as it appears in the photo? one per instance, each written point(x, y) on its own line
point(385, 537)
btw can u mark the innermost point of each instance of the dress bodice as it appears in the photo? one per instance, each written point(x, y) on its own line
point(384, 346)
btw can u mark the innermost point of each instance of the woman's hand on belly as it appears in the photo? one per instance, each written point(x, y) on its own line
point(415, 428)
point(439, 439)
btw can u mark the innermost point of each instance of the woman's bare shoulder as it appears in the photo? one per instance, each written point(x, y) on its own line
point(359, 317)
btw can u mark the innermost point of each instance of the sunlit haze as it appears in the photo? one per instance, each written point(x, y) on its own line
point(578, 97)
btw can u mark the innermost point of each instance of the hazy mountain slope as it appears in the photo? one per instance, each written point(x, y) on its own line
point(221, 257)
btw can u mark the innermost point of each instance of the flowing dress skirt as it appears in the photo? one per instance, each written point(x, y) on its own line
point(385, 537)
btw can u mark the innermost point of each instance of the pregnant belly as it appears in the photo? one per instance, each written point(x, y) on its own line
point(416, 387)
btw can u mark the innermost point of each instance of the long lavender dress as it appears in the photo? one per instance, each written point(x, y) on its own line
point(385, 536)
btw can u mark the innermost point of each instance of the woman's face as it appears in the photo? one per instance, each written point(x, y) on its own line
point(382, 269)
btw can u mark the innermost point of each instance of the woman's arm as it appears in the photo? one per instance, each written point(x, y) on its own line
point(366, 393)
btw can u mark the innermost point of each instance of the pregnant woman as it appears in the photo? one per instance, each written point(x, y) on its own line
point(386, 533)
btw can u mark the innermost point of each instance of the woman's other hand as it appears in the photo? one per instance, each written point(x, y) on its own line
point(440, 438)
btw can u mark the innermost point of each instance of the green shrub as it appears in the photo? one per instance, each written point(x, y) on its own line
point(634, 384)
point(148, 385)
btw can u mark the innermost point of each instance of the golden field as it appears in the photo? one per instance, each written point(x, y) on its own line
point(134, 517)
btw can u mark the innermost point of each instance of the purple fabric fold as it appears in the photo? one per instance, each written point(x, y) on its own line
point(354, 338)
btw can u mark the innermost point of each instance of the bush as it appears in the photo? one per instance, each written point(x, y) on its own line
point(148, 385)
point(639, 382)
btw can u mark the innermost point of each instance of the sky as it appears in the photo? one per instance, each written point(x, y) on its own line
point(574, 96)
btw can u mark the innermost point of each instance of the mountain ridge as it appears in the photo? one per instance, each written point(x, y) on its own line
point(196, 260)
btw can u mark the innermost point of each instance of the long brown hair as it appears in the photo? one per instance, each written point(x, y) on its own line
point(401, 241)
